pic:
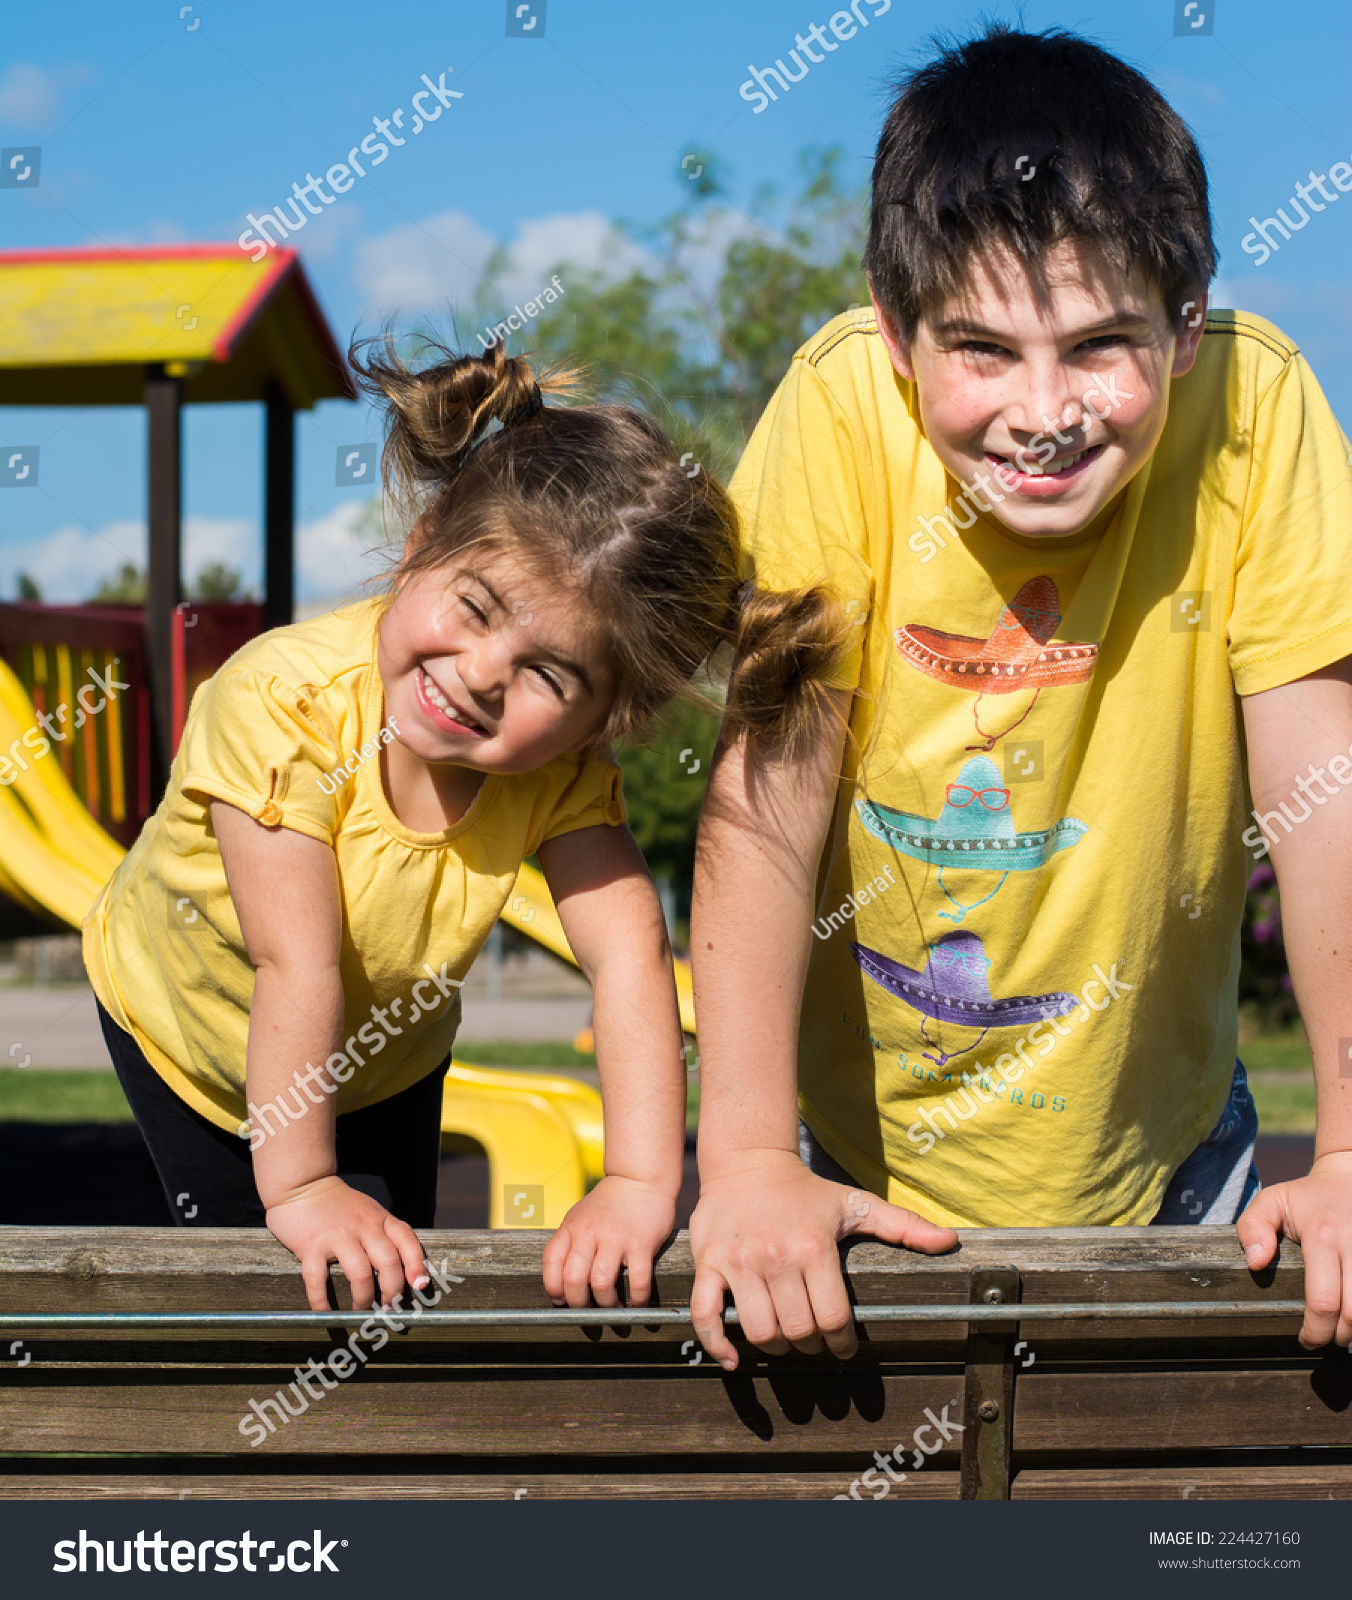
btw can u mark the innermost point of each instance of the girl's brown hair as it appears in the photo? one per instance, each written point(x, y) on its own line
point(595, 497)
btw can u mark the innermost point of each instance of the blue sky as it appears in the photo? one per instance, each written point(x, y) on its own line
point(155, 130)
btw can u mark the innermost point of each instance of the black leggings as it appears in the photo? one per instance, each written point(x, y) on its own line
point(390, 1151)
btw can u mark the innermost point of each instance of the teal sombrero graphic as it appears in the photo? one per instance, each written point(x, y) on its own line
point(954, 988)
point(974, 831)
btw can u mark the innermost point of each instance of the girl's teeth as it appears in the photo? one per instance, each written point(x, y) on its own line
point(438, 699)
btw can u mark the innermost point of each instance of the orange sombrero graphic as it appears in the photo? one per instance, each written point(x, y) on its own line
point(1019, 654)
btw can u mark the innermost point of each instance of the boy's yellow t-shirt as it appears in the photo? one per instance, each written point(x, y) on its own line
point(1020, 1006)
point(290, 730)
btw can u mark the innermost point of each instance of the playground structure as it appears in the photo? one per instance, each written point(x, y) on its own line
point(167, 327)
point(1066, 1363)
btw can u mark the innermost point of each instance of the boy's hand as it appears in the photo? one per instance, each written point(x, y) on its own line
point(1315, 1211)
point(621, 1222)
point(768, 1232)
point(329, 1221)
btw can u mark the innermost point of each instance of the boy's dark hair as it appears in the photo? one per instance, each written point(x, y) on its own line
point(1024, 140)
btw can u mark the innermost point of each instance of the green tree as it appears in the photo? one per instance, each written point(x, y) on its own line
point(128, 588)
point(698, 333)
point(27, 587)
point(218, 582)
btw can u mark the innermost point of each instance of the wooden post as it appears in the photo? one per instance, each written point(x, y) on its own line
point(279, 510)
point(164, 517)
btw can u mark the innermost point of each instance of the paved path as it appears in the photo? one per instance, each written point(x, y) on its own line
point(59, 1027)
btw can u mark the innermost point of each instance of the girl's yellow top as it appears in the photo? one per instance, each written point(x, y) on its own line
point(290, 730)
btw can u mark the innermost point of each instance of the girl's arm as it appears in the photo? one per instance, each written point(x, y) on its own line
point(614, 923)
point(285, 889)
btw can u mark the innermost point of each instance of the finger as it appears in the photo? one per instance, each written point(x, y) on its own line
point(605, 1269)
point(314, 1270)
point(1343, 1336)
point(831, 1307)
point(388, 1266)
point(1259, 1226)
point(639, 1264)
point(1323, 1293)
point(866, 1213)
point(357, 1270)
point(577, 1274)
point(757, 1315)
point(411, 1252)
point(706, 1316)
point(793, 1311)
point(556, 1253)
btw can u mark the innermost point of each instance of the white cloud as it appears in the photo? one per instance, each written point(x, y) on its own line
point(423, 266)
point(30, 96)
point(1179, 87)
point(335, 554)
point(437, 264)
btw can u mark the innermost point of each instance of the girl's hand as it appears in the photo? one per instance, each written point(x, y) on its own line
point(622, 1222)
point(328, 1221)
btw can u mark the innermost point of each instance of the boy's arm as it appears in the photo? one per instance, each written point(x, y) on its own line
point(614, 922)
point(765, 1227)
point(1290, 730)
point(284, 886)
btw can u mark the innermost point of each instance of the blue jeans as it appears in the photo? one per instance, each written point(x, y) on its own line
point(1212, 1186)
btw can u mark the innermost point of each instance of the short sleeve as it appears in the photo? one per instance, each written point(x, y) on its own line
point(1292, 607)
point(802, 506)
point(594, 797)
point(265, 747)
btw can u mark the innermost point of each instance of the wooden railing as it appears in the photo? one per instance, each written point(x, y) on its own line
point(1202, 1392)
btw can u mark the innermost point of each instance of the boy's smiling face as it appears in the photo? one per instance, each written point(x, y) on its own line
point(1014, 379)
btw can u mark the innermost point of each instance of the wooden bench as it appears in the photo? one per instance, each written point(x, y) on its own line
point(1028, 1405)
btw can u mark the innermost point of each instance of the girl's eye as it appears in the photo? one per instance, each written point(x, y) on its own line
point(474, 609)
point(551, 680)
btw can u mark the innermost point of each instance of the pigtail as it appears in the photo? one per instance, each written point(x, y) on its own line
point(437, 412)
point(785, 646)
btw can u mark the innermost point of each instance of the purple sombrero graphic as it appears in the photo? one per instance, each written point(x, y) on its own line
point(953, 986)
point(1018, 654)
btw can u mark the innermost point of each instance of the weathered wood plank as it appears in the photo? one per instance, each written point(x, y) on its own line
point(1186, 1410)
point(686, 1410)
point(1304, 1482)
point(936, 1484)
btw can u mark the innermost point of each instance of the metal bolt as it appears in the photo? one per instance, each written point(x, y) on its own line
point(994, 1297)
point(988, 1410)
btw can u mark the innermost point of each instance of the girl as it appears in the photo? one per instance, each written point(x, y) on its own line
point(277, 960)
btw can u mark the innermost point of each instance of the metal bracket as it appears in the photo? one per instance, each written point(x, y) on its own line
point(988, 1392)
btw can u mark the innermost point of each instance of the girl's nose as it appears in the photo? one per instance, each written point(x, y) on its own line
point(484, 667)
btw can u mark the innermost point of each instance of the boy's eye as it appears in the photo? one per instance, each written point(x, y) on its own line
point(1104, 341)
point(982, 348)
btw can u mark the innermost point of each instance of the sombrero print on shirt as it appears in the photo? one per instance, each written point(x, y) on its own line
point(1019, 653)
point(974, 831)
point(954, 989)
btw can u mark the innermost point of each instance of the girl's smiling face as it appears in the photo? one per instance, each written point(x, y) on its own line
point(489, 666)
point(1055, 398)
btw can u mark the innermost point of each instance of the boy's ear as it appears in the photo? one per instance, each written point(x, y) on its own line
point(1193, 319)
point(897, 349)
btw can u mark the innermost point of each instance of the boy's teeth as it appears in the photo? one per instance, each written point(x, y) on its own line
point(1035, 469)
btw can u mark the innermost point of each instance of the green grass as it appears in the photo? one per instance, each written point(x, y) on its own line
point(76, 1095)
point(511, 1053)
point(1287, 1051)
point(1284, 1107)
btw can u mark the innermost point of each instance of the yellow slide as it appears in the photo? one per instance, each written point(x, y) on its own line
point(542, 1133)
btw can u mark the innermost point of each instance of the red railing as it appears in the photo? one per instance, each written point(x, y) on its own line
point(56, 650)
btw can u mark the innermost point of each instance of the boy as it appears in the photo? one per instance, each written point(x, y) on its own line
point(1074, 518)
